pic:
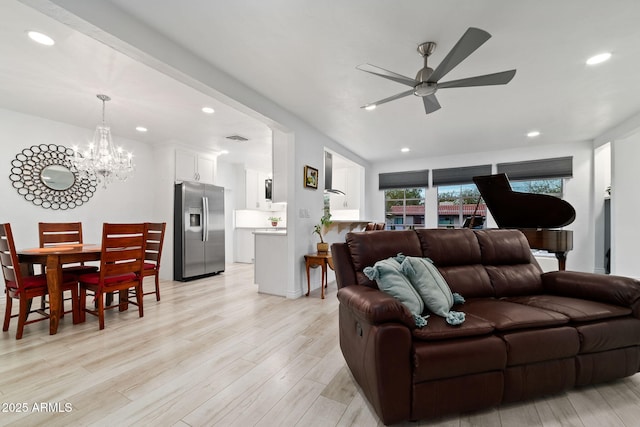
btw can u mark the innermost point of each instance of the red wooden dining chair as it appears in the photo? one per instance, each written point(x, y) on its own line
point(121, 268)
point(61, 234)
point(153, 254)
point(53, 234)
point(24, 287)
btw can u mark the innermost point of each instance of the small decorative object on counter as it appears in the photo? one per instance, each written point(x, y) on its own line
point(274, 220)
point(325, 220)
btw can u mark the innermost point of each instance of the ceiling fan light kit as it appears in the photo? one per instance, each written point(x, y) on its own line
point(426, 82)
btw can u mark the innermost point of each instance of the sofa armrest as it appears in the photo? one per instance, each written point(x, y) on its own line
point(617, 290)
point(374, 306)
point(342, 265)
point(378, 352)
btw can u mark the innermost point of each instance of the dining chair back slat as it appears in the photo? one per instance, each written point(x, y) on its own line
point(8, 256)
point(153, 253)
point(56, 233)
point(23, 286)
point(51, 234)
point(121, 268)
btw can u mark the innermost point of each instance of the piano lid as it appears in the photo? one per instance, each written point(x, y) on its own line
point(512, 209)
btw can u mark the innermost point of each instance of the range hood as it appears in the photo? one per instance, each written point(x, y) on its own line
point(328, 174)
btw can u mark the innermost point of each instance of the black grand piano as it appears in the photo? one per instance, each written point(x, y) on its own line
point(538, 216)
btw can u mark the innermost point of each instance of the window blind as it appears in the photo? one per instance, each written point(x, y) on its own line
point(559, 167)
point(463, 175)
point(409, 179)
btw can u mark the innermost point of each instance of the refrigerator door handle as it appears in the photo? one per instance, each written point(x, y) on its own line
point(205, 221)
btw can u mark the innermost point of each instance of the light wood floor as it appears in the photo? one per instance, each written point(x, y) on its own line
point(215, 352)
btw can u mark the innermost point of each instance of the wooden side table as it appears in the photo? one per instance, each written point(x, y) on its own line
point(318, 260)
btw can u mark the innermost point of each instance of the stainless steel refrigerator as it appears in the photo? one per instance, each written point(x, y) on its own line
point(198, 231)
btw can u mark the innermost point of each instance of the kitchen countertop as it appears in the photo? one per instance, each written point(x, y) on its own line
point(269, 231)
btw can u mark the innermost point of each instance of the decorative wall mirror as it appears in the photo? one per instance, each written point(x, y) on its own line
point(44, 175)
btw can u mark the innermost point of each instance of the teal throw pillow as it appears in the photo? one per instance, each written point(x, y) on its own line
point(432, 288)
point(390, 279)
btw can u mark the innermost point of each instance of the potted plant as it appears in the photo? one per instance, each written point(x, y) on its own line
point(274, 220)
point(319, 229)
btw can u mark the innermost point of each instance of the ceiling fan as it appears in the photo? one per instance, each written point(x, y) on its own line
point(426, 82)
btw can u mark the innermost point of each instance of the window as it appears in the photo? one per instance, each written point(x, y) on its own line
point(457, 204)
point(551, 187)
point(404, 208)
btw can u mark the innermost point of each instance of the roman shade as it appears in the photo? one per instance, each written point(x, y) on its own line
point(409, 179)
point(559, 167)
point(463, 175)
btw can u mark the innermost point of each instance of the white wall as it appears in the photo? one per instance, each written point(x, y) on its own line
point(225, 177)
point(601, 180)
point(129, 201)
point(625, 206)
point(578, 190)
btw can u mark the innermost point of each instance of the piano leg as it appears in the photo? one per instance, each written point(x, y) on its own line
point(562, 260)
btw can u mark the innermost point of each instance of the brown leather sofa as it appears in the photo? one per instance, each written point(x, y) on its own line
point(526, 334)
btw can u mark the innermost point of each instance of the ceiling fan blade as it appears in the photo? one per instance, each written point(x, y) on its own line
point(501, 78)
point(391, 98)
point(431, 103)
point(471, 40)
point(387, 74)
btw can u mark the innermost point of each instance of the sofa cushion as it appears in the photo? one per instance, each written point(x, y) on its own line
point(518, 279)
point(449, 246)
point(539, 345)
point(367, 248)
point(505, 315)
point(438, 329)
point(432, 288)
point(452, 358)
point(609, 334)
point(390, 279)
point(578, 310)
point(503, 246)
point(470, 281)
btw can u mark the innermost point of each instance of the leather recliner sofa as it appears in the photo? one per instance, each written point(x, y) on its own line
point(526, 333)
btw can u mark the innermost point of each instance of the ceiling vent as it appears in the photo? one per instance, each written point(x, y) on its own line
point(237, 138)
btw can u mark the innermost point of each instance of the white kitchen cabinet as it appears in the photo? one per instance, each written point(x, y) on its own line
point(245, 245)
point(255, 190)
point(352, 188)
point(192, 166)
point(348, 181)
point(271, 263)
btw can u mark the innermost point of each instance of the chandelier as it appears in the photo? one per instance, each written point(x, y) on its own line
point(101, 158)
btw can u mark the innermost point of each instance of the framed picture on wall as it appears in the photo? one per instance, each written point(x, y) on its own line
point(310, 177)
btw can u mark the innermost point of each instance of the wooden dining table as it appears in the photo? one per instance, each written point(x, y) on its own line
point(54, 258)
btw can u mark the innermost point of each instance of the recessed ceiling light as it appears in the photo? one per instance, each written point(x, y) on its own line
point(141, 129)
point(208, 110)
point(370, 107)
point(40, 38)
point(533, 134)
point(597, 59)
point(405, 150)
point(224, 152)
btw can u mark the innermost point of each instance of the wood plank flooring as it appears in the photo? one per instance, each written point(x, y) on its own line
point(214, 352)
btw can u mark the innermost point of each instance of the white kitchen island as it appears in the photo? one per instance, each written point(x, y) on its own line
point(270, 264)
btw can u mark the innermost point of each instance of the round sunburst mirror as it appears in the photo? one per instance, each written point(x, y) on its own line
point(44, 175)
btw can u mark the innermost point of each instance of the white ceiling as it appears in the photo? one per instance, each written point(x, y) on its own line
point(61, 83)
point(302, 55)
